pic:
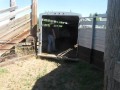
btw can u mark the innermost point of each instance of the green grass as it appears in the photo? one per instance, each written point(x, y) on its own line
point(72, 76)
point(56, 75)
point(2, 71)
point(91, 78)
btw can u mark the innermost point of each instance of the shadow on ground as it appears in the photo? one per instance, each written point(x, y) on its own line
point(71, 76)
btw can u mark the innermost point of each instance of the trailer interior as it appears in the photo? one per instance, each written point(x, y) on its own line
point(66, 30)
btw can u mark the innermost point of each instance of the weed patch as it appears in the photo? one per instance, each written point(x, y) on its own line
point(2, 71)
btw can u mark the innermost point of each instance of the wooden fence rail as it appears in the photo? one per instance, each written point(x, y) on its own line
point(8, 9)
point(91, 39)
point(85, 34)
point(12, 14)
point(18, 29)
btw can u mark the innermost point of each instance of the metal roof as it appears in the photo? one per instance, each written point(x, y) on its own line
point(61, 14)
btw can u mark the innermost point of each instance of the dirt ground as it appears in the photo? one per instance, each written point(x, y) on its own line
point(43, 74)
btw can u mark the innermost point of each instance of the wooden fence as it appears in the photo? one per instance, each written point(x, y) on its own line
point(91, 38)
point(17, 29)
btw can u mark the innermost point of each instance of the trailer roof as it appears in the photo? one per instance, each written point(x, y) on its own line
point(61, 14)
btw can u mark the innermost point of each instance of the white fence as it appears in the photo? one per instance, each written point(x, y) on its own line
point(91, 33)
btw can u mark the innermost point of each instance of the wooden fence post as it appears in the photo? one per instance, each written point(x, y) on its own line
point(93, 39)
point(12, 4)
point(34, 23)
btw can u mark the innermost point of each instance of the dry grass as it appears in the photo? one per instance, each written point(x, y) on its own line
point(23, 74)
point(39, 74)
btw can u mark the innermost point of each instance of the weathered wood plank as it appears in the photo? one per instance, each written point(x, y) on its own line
point(12, 29)
point(86, 23)
point(99, 47)
point(8, 9)
point(102, 38)
point(16, 32)
point(89, 32)
point(12, 14)
point(85, 32)
point(97, 40)
point(17, 39)
point(101, 23)
point(85, 39)
point(100, 35)
point(14, 23)
point(85, 44)
point(90, 23)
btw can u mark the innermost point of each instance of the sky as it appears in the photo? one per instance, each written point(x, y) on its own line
point(83, 7)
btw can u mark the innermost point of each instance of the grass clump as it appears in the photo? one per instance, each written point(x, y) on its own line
point(2, 71)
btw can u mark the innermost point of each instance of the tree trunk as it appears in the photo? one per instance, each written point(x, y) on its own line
point(112, 48)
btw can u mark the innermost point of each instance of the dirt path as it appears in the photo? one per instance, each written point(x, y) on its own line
point(39, 74)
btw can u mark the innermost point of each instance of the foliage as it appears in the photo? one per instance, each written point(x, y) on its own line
point(2, 71)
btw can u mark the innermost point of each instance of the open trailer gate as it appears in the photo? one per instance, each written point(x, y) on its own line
point(66, 30)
